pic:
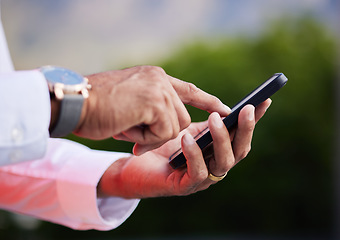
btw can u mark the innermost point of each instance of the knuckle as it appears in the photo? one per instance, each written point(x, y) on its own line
point(151, 74)
point(199, 177)
point(162, 129)
point(175, 132)
point(157, 69)
point(168, 133)
point(222, 168)
point(186, 121)
point(192, 88)
point(226, 167)
point(215, 101)
point(183, 117)
point(244, 153)
point(152, 70)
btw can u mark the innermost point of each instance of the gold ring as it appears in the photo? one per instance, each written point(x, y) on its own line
point(215, 178)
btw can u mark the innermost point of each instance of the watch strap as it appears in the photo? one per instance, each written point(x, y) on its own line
point(69, 115)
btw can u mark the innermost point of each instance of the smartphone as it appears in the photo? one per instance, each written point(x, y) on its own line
point(257, 96)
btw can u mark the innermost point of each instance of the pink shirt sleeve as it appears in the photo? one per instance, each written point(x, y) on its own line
point(61, 188)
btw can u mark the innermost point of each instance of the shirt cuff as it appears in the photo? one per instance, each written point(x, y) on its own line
point(25, 116)
point(77, 191)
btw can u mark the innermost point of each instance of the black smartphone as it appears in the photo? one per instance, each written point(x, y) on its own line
point(257, 96)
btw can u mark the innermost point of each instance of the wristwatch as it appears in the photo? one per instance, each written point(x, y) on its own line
point(69, 89)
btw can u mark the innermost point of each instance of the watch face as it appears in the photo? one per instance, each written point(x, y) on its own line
point(61, 75)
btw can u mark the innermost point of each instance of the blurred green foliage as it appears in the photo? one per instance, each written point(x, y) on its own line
point(284, 186)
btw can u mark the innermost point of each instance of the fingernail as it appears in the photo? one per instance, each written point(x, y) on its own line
point(136, 150)
point(217, 120)
point(251, 114)
point(227, 108)
point(188, 139)
point(270, 103)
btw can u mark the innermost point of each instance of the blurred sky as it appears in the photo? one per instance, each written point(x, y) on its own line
point(91, 36)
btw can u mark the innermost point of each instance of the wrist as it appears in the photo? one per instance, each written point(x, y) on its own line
point(82, 115)
point(89, 101)
point(55, 110)
point(68, 91)
point(111, 184)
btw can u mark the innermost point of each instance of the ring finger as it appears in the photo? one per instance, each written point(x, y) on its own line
point(223, 159)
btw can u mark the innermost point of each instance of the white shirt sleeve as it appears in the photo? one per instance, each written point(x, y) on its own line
point(61, 188)
point(25, 116)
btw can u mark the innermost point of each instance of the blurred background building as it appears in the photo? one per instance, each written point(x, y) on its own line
point(286, 188)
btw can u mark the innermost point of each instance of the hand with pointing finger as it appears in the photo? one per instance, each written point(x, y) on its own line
point(141, 104)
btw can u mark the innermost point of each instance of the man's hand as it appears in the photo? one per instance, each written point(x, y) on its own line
point(143, 105)
point(150, 174)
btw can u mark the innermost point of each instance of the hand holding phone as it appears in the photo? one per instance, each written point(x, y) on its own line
point(257, 96)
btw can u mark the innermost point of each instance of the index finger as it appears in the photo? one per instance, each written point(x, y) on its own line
point(192, 95)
